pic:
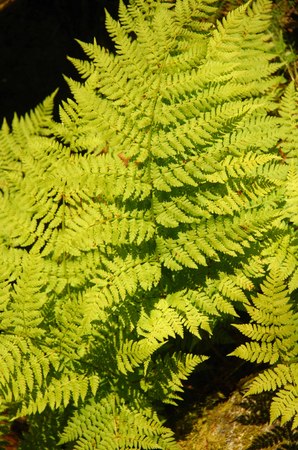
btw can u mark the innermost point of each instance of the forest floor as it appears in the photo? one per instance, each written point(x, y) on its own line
point(233, 423)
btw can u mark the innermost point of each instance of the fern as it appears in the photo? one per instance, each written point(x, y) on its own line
point(279, 435)
point(106, 426)
point(273, 331)
point(155, 207)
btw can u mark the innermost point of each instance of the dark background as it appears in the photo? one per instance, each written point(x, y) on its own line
point(35, 38)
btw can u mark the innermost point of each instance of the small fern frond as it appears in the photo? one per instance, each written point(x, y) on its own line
point(23, 310)
point(285, 404)
point(24, 367)
point(194, 318)
point(255, 352)
point(273, 379)
point(273, 325)
point(273, 329)
point(111, 425)
point(281, 257)
point(66, 389)
point(163, 322)
point(164, 376)
point(132, 354)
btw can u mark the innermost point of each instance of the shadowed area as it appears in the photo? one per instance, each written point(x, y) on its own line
point(35, 38)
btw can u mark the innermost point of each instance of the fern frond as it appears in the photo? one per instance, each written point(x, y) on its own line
point(68, 388)
point(111, 425)
point(292, 194)
point(23, 309)
point(273, 329)
point(153, 209)
point(164, 376)
point(272, 379)
point(164, 321)
point(134, 353)
point(285, 405)
point(24, 366)
point(281, 256)
point(273, 324)
point(255, 352)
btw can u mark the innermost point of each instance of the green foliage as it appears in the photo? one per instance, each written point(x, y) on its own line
point(154, 207)
point(273, 333)
point(273, 313)
point(106, 425)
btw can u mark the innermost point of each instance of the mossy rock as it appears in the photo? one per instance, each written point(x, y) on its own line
point(235, 423)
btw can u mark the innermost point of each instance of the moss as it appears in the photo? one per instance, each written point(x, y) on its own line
point(235, 423)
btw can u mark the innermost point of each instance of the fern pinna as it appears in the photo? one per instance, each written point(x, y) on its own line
point(155, 206)
point(273, 330)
